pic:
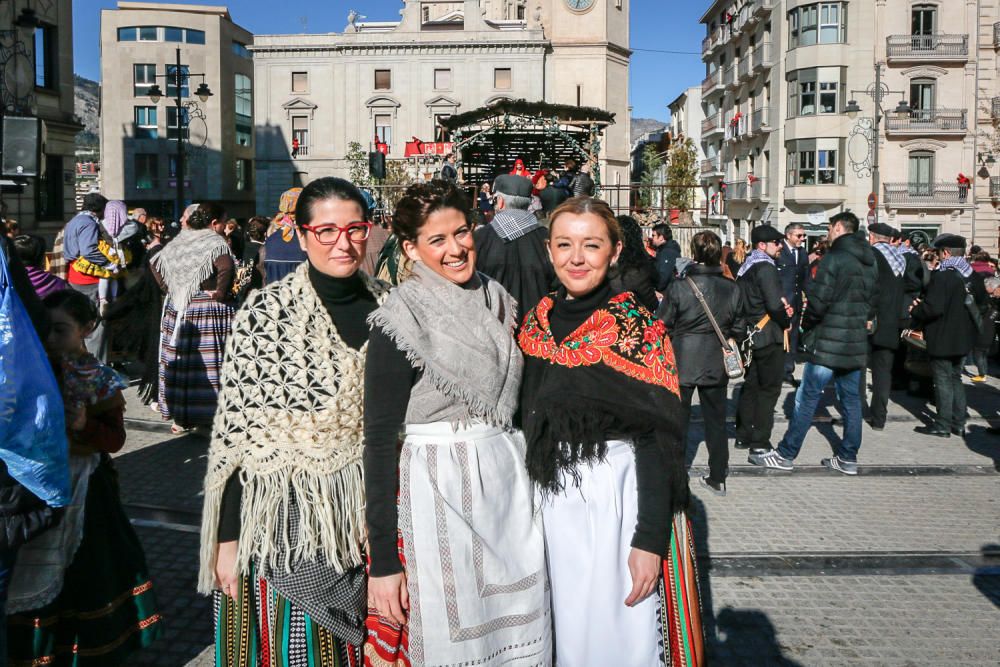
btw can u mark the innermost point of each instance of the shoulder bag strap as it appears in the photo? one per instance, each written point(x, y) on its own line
point(711, 318)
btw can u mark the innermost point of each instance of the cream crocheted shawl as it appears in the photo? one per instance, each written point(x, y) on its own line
point(290, 419)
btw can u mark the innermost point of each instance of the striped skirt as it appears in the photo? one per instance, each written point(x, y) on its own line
point(191, 360)
point(263, 629)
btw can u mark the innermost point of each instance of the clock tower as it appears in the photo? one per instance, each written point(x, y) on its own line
point(589, 66)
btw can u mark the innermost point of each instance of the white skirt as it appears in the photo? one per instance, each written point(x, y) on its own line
point(588, 535)
point(475, 555)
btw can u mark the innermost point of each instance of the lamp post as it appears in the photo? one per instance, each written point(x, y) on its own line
point(155, 94)
point(877, 91)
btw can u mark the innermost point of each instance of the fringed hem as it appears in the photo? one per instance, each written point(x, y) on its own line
point(477, 408)
point(331, 521)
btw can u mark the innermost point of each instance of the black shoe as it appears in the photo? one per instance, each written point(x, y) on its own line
point(739, 444)
point(789, 379)
point(874, 426)
point(993, 430)
point(933, 430)
point(960, 432)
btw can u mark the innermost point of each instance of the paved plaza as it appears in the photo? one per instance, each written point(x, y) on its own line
point(898, 566)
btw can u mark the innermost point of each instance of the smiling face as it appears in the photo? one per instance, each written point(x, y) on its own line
point(444, 244)
point(582, 251)
point(342, 259)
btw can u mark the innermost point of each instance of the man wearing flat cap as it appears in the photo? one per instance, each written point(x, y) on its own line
point(890, 309)
point(768, 314)
point(949, 316)
point(835, 325)
point(512, 248)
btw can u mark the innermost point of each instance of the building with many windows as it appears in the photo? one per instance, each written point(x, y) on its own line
point(389, 83)
point(139, 134)
point(783, 143)
point(36, 60)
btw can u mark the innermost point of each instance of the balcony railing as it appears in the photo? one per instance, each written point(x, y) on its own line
point(923, 121)
point(712, 165)
point(994, 187)
point(737, 127)
point(762, 56)
point(760, 121)
point(996, 35)
point(758, 188)
point(711, 81)
point(926, 195)
point(301, 151)
point(711, 124)
point(743, 69)
point(711, 41)
point(729, 76)
point(736, 190)
point(927, 47)
point(995, 108)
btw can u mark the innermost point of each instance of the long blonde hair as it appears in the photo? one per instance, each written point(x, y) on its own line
point(740, 250)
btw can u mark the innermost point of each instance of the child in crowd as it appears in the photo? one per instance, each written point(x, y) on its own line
point(82, 590)
point(115, 218)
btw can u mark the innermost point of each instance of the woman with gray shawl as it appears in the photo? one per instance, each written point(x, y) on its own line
point(195, 271)
point(467, 584)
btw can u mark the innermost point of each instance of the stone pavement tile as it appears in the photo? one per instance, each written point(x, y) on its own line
point(848, 625)
point(187, 616)
point(784, 512)
point(162, 470)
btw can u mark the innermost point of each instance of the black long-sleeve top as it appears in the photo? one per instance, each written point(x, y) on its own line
point(652, 529)
point(389, 378)
point(349, 305)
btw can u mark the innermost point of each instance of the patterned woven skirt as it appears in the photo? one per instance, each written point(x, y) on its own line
point(107, 608)
point(263, 629)
point(191, 360)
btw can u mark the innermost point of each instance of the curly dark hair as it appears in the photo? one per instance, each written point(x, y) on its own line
point(633, 245)
point(205, 214)
point(421, 200)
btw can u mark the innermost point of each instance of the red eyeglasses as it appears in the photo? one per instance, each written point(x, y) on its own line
point(357, 232)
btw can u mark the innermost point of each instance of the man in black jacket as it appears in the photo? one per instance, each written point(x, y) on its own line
point(835, 326)
point(767, 315)
point(946, 315)
point(667, 252)
point(913, 287)
point(889, 310)
point(793, 268)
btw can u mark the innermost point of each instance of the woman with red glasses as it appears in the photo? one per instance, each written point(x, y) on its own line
point(283, 528)
point(458, 561)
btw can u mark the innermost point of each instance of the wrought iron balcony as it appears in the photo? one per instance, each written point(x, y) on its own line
point(926, 195)
point(927, 47)
point(711, 82)
point(711, 125)
point(929, 121)
point(301, 151)
point(712, 165)
point(994, 187)
point(762, 56)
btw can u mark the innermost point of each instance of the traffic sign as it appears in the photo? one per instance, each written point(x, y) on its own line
point(872, 201)
point(872, 218)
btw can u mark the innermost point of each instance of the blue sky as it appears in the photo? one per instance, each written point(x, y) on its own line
point(657, 25)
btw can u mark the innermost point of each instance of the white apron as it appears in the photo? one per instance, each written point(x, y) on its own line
point(475, 556)
point(588, 535)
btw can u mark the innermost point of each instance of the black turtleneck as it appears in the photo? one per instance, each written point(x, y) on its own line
point(348, 303)
point(568, 314)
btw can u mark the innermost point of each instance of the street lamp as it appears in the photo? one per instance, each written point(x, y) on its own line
point(155, 94)
point(878, 91)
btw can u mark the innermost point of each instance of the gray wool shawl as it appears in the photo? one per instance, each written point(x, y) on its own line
point(461, 339)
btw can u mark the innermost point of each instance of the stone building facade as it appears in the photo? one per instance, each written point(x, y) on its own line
point(781, 147)
point(37, 82)
point(396, 80)
point(139, 42)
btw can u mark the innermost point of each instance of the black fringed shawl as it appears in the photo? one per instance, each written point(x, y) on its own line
point(613, 377)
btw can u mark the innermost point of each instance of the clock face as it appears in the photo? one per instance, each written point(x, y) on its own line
point(580, 5)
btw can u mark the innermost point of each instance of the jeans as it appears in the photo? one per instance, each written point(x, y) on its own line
point(7, 558)
point(761, 389)
point(814, 380)
point(949, 394)
point(979, 360)
point(880, 362)
point(97, 341)
point(713, 411)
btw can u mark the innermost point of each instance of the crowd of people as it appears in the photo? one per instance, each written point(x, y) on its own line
point(432, 442)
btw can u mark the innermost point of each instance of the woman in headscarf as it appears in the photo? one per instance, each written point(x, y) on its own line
point(467, 585)
point(283, 526)
point(601, 410)
point(282, 253)
point(196, 272)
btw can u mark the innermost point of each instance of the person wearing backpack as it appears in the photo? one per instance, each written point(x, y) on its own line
point(949, 316)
